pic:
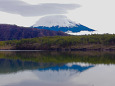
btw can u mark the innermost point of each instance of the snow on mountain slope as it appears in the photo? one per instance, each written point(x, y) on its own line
point(56, 20)
point(60, 23)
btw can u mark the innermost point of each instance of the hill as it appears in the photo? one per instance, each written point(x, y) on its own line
point(13, 32)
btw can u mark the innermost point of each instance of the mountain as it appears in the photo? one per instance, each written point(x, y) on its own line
point(60, 23)
point(11, 32)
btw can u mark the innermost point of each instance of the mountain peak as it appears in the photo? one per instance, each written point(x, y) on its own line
point(55, 20)
point(60, 23)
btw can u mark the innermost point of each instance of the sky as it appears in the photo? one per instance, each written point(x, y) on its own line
point(95, 14)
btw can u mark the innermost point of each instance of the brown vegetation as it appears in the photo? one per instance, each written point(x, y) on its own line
point(13, 32)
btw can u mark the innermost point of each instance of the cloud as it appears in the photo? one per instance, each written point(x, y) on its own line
point(25, 9)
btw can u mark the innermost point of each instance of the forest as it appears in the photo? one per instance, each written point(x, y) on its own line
point(82, 42)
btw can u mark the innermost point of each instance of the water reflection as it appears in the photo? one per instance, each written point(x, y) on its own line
point(57, 68)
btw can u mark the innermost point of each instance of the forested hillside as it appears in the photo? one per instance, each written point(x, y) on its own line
point(13, 32)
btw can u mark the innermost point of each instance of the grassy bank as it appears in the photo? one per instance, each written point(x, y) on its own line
point(85, 42)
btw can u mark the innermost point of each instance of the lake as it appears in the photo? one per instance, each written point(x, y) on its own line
point(48, 68)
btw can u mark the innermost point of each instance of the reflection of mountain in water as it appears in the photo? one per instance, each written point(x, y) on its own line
point(45, 72)
point(9, 66)
point(60, 73)
point(65, 67)
point(56, 72)
point(54, 61)
point(52, 68)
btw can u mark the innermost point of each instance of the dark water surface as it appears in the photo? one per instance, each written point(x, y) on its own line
point(43, 68)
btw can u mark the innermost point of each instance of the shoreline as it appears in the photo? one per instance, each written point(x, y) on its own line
point(60, 49)
point(20, 50)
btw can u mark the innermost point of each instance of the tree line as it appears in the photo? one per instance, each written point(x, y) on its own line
point(95, 41)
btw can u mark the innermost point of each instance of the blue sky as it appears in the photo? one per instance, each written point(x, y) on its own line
point(96, 14)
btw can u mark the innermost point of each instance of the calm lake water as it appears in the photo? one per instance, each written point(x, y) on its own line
point(43, 68)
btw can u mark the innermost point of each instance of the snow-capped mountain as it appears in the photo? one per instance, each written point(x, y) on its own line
point(60, 23)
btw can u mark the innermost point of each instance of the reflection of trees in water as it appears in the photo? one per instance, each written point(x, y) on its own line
point(8, 65)
point(15, 61)
point(62, 57)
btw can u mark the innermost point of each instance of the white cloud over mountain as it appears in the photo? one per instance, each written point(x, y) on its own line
point(25, 9)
